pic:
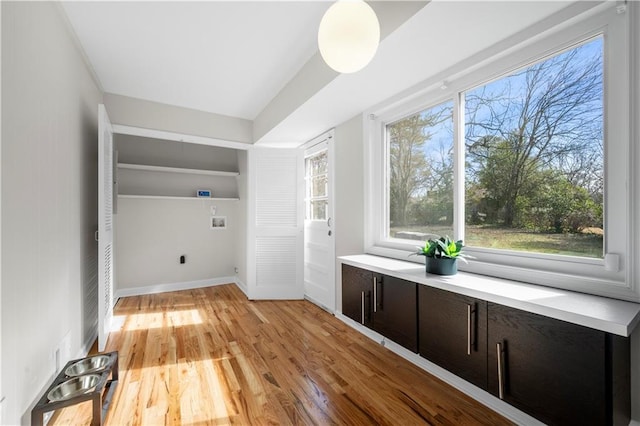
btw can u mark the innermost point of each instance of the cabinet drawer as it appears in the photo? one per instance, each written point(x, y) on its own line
point(453, 333)
point(558, 372)
point(356, 293)
point(395, 311)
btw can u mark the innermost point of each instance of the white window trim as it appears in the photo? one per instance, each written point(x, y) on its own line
point(622, 182)
point(315, 149)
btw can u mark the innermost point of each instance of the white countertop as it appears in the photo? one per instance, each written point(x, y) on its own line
point(601, 313)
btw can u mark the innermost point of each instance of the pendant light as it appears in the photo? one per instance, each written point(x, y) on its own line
point(349, 35)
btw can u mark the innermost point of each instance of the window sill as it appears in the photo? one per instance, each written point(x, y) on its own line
point(597, 312)
point(583, 276)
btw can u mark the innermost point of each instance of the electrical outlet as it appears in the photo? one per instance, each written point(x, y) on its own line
point(65, 349)
point(235, 269)
point(61, 354)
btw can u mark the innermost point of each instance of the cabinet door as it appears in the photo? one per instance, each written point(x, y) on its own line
point(395, 311)
point(356, 293)
point(551, 369)
point(453, 333)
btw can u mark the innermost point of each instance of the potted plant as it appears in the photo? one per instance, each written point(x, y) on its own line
point(441, 255)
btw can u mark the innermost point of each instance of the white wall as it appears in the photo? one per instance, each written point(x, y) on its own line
point(153, 115)
point(349, 190)
point(1, 393)
point(151, 235)
point(49, 204)
point(635, 375)
point(242, 215)
point(635, 120)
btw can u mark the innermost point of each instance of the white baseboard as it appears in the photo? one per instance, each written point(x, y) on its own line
point(242, 286)
point(462, 385)
point(319, 305)
point(163, 288)
point(86, 347)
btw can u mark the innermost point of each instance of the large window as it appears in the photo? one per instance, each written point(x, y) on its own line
point(534, 170)
point(525, 158)
point(534, 157)
point(421, 174)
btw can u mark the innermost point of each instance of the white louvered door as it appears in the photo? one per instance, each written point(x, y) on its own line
point(277, 225)
point(105, 227)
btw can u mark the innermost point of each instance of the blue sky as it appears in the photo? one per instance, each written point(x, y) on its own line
point(514, 84)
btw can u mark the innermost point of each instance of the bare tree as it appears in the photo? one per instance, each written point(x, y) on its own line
point(545, 125)
point(410, 170)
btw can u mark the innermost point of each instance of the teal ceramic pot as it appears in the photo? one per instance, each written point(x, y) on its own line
point(441, 266)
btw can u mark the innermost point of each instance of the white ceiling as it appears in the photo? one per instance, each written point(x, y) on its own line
point(226, 57)
point(441, 35)
point(234, 57)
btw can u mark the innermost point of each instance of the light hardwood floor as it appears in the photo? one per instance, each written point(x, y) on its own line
point(210, 356)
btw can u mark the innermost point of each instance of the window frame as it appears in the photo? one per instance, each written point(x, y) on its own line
point(590, 275)
point(315, 151)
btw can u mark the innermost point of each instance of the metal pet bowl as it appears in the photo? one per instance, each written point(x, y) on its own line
point(73, 387)
point(87, 365)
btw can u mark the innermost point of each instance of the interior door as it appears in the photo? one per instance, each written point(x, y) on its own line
point(275, 237)
point(319, 243)
point(105, 227)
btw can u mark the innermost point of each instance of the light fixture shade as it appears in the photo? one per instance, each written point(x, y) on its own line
point(349, 35)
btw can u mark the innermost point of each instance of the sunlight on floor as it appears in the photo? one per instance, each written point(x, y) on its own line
point(177, 388)
point(156, 320)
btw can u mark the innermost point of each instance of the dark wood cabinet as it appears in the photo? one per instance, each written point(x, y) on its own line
point(385, 304)
point(453, 333)
point(395, 311)
point(357, 289)
point(556, 371)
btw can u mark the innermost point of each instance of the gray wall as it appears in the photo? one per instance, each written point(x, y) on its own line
point(155, 152)
point(349, 190)
point(153, 115)
point(151, 235)
point(49, 202)
point(158, 152)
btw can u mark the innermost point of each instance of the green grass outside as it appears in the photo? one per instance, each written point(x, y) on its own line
point(584, 245)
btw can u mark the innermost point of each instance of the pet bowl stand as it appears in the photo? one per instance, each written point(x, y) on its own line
point(100, 404)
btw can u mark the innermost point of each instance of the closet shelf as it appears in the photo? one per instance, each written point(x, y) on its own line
point(149, 168)
point(169, 197)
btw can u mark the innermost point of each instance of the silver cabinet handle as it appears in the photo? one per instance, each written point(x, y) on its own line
point(362, 299)
point(469, 343)
point(375, 294)
point(500, 371)
point(329, 222)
